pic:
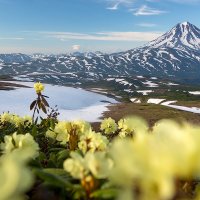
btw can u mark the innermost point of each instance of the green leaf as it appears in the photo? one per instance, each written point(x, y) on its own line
point(32, 105)
point(51, 164)
point(34, 163)
point(53, 157)
point(58, 172)
point(79, 192)
point(39, 104)
point(52, 124)
point(62, 155)
point(34, 131)
point(107, 185)
point(105, 193)
point(45, 96)
point(42, 156)
point(55, 149)
point(54, 177)
point(45, 101)
point(43, 108)
point(36, 120)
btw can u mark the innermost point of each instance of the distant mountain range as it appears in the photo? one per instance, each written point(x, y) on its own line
point(175, 55)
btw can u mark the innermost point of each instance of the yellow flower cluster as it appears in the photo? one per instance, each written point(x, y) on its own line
point(39, 87)
point(60, 132)
point(24, 144)
point(92, 141)
point(108, 125)
point(146, 166)
point(87, 140)
point(97, 164)
point(64, 129)
point(15, 119)
point(127, 126)
point(153, 160)
point(15, 177)
point(131, 125)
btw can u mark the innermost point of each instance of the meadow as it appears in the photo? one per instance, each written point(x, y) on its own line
point(128, 158)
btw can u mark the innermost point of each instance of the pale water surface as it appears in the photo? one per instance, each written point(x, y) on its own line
point(72, 103)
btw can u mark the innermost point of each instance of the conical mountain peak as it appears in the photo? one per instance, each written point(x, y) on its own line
point(182, 36)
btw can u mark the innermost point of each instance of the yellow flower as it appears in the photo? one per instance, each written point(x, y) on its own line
point(27, 119)
point(51, 134)
point(154, 159)
point(62, 132)
point(64, 129)
point(6, 117)
point(108, 125)
point(98, 164)
point(132, 125)
point(63, 138)
point(39, 87)
point(92, 142)
point(15, 177)
point(75, 166)
point(80, 127)
point(139, 164)
point(20, 143)
point(17, 120)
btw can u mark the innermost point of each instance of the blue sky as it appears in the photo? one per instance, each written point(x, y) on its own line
point(62, 26)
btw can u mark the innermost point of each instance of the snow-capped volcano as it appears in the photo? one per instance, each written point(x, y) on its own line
point(175, 55)
point(182, 36)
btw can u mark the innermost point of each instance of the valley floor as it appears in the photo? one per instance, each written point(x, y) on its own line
point(152, 113)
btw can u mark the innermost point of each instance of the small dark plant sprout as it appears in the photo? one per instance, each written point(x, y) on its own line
point(52, 113)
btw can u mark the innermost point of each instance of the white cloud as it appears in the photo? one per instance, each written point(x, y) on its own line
point(178, 1)
point(115, 4)
point(76, 47)
point(145, 10)
point(11, 38)
point(104, 36)
point(186, 1)
point(147, 25)
point(114, 7)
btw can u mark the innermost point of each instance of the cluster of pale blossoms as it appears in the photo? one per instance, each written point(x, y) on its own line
point(152, 160)
point(131, 125)
point(86, 139)
point(39, 87)
point(97, 164)
point(23, 144)
point(63, 130)
point(108, 126)
point(15, 119)
point(16, 149)
point(15, 177)
point(126, 127)
point(60, 132)
point(92, 141)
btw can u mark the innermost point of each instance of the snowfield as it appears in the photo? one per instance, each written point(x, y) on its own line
point(155, 101)
point(195, 92)
point(144, 92)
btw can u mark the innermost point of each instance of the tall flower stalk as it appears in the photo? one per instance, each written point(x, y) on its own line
point(40, 103)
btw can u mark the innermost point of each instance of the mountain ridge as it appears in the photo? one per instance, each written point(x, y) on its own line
point(183, 35)
point(174, 55)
